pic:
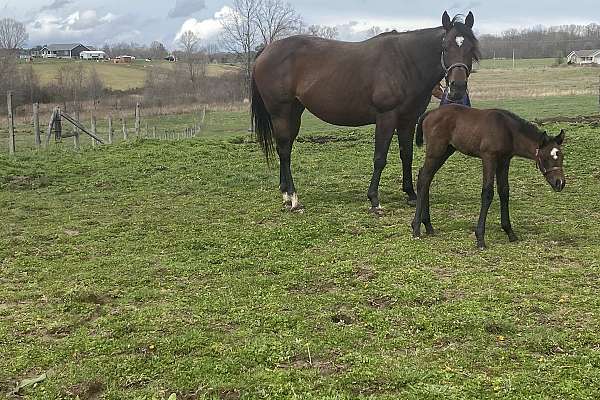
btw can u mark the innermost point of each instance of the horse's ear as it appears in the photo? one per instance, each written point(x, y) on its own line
point(470, 20)
point(560, 138)
point(446, 22)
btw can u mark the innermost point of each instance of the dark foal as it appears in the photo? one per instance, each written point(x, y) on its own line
point(495, 136)
point(386, 81)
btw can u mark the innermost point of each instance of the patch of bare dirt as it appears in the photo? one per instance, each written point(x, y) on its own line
point(90, 390)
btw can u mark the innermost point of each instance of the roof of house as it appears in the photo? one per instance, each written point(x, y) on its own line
point(586, 53)
point(63, 47)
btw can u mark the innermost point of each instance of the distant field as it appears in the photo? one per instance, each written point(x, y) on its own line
point(519, 63)
point(115, 76)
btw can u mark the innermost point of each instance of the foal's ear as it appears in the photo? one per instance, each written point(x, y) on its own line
point(470, 20)
point(560, 138)
point(446, 22)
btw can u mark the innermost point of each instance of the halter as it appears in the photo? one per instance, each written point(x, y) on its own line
point(540, 165)
point(448, 70)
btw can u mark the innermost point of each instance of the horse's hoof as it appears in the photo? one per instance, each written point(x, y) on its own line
point(411, 202)
point(481, 246)
point(513, 238)
point(377, 211)
point(298, 209)
point(430, 232)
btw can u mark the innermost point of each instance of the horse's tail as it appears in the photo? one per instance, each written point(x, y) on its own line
point(263, 124)
point(419, 135)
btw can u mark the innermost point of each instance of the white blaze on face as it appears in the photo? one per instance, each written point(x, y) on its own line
point(460, 40)
point(554, 153)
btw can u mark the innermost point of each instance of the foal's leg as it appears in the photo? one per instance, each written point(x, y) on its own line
point(426, 213)
point(405, 141)
point(487, 195)
point(384, 132)
point(503, 193)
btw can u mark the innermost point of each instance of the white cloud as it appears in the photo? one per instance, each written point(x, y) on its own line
point(207, 29)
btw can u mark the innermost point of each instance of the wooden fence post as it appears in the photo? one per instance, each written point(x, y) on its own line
point(124, 129)
point(110, 130)
point(137, 120)
point(36, 125)
point(50, 125)
point(94, 131)
point(154, 132)
point(11, 124)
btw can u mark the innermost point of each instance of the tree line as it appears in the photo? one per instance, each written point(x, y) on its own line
point(541, 42)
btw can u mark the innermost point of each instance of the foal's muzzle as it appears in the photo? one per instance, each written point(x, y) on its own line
point(558, 184)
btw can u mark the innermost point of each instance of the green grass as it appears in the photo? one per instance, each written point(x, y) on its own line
point(152, 267)
point(114, 76)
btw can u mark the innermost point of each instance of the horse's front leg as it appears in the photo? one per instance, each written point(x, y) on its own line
point(384, 131)
point(503, 193)
point(406, 135)
point(487, 195)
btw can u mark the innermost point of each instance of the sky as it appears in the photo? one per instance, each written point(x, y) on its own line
point(95, 22)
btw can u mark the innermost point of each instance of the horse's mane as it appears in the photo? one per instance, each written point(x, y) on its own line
point(526, 127)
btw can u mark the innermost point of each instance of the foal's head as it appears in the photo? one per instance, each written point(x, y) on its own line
point(549, 159)
point(459, 49)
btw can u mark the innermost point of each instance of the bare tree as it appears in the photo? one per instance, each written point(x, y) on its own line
point(13, 34)
point(276, 20)
point(327, 32)
point(373, 31)
point(241, 34)
point(158, 50)
point(190, 43)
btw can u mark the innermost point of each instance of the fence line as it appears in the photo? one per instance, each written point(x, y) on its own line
point(55, 127)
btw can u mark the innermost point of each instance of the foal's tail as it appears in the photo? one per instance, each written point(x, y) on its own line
point(263, 124)
point(419, 135)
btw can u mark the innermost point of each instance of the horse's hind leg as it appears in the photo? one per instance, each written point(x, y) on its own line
point(286, 125)
point(503, 193)
point(384, 131)
point(405, 141)
point(487, 195)
point(433, 162)
point(426, 211)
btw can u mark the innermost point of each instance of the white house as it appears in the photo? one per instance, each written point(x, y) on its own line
point(93, 55)
point(63, 50)
point(584, 57)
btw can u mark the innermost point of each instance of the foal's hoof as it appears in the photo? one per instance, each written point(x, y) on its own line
point(481, 246)
point(513, 238)
point(411, 202)
point(377, 211)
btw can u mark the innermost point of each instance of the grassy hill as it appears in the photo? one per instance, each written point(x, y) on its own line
point(115, 76)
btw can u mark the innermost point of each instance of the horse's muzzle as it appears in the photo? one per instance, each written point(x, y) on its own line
point(558, 185)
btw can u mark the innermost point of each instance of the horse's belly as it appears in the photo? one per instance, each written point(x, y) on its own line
point(336, 113)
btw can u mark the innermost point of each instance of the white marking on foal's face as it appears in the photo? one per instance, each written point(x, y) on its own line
point(460, 40)
point(554, 153)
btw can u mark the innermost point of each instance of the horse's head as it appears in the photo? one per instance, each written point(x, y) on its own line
point(459, 49)
point(549, 159)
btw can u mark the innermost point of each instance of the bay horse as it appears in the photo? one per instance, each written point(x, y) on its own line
point(495, 136)
point(386, 80)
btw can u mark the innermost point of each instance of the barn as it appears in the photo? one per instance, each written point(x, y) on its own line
point(584, 57)
point(72, 50)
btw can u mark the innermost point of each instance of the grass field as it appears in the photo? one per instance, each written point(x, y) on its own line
point(149, 268)
point(115, 76)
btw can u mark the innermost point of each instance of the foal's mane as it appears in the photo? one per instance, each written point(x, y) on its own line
point(525, 127)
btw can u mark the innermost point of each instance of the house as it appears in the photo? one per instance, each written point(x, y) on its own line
point(72, 50)
point(93, 55)
point(124, 59)
point(584, 57)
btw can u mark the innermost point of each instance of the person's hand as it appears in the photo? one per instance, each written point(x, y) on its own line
point(438, 92)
